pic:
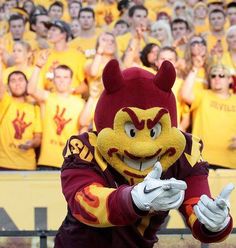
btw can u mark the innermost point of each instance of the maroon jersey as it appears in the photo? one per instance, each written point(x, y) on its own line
point(100, 208)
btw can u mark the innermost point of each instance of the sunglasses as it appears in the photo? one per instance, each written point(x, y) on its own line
point(180, 7)
point(218, 75)
point(198, 42)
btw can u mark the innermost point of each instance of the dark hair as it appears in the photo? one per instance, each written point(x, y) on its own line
point(38, 11)
point(122, 22)
point(56, 3)
point(66, 68)
point(231, 5)
point(16, 72)
point(136, 7)
point(144, 54)
point(87, 9)
point(179, 20)
point(16, 17)
point(75, 1)
point(217, 11)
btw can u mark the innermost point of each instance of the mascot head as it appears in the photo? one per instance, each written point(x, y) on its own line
point(136, 120)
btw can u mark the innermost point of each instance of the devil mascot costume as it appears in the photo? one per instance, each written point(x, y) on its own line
point(121, 181)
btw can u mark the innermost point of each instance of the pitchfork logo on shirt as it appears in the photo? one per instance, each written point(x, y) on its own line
point(60, 120)
point(19, 124)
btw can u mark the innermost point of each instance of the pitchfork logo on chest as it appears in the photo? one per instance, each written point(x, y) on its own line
point(60, 120)
point(19, 124)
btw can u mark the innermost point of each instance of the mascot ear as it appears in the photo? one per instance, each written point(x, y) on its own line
point(112, 77)
point(165, 77)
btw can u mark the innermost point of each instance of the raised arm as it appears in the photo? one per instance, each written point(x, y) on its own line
point(39, 94)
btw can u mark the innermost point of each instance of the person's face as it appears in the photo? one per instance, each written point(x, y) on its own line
point(198, 46)
point(55, 13)
point(17, 28)
point(40, 28)
point(219, 81)
point(121, 28)
point(159, 33)
point(20, 54)
point(74, 10)
point(231, 14)
point(75, 27)
point(166, 55)
point(152, 55)
point(217, 21)
point(56, 35)
point(139, 18)
point(110, 47)
point(28, 6)
point(17, 85)
point(200, 12)
point(62, 80)
point(231, 40)
point(179, 30)
point(86, 20)
point(180, 9)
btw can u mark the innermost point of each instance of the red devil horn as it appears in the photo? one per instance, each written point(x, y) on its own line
point(112, 77)
point(165, 77)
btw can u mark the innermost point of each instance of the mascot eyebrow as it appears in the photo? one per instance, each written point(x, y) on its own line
point(151, 124)
point(138, 124)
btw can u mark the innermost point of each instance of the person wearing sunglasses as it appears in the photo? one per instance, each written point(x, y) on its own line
point(214, 117)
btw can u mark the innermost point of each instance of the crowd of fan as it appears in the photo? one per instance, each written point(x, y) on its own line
point(53, 53)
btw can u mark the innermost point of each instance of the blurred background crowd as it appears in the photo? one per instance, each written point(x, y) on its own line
point(52, 54)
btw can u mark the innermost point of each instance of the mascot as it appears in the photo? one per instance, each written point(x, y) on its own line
point(121, 182)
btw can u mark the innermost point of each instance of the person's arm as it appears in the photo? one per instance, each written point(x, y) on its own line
point(86, 116)
point(186, 91)
point(34, 143)
point(39, 94)
point(2, 86)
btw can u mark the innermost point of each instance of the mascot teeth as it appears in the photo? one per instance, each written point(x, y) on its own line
point(139, 164)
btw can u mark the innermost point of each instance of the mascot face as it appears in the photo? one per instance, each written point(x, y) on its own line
point(135, 128)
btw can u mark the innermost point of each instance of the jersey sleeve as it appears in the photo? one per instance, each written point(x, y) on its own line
point(91, 200)
point(197, 185)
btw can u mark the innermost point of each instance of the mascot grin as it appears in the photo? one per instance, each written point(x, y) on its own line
point(133, 137)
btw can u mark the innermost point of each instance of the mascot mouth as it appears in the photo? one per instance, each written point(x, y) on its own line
point(139, 163)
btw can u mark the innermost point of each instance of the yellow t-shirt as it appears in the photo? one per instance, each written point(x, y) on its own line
point(229, 63)
point(85, 45)
point(70, 57)
point(60, 121)
point(214, 121)
point(212, 40)
point(18, 122)
point(104, 9)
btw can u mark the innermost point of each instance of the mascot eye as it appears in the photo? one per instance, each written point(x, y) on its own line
point(130, 129)
point(155, 131)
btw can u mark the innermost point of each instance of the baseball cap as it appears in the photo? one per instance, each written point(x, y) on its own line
point(63, 26)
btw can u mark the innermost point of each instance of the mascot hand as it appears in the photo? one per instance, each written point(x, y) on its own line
point(156, 194)
point(214, 214)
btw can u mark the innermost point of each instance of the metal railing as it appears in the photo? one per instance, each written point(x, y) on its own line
point(44, 234)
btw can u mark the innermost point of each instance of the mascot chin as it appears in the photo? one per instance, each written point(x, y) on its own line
point(121, 182)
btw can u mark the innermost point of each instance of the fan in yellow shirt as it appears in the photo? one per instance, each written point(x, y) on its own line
point(58, 34)
point(60, 112)
point(214, 117)
point(20, 125)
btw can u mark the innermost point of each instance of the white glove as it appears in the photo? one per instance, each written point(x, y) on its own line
point(214, 214)
point(156, 194)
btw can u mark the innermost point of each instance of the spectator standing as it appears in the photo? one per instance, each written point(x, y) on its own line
point(87, 38)
point(20, 125)
point(60, 112)
point(214, 117)
point(58, 34)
